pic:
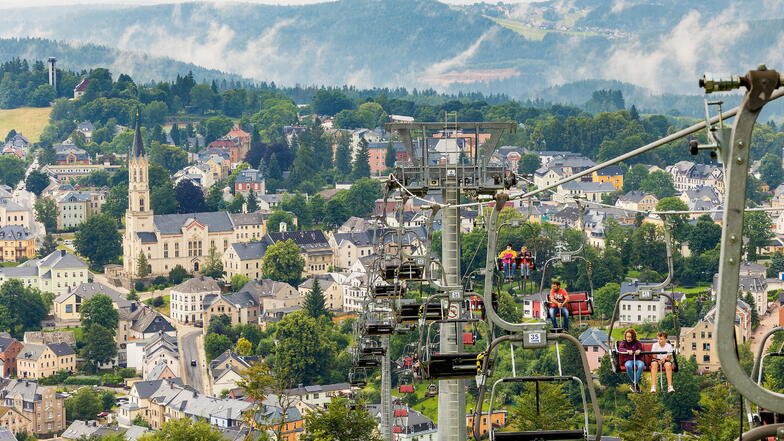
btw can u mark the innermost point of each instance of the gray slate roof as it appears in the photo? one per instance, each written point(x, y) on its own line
point(88, 290)
point(199, 284)
point(306, 240)
point(147, 236)
point(173, 223)
point(61, 349)
point(15, 232)
point(250, 250)
point(30, 391)
point(594, 337)
point(62, 259)
point(6, 434)
point(6, 342)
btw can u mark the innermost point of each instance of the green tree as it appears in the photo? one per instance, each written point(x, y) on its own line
point(36, 182)
point(99, 346)
point(98, 310)
point(704, 235)
point(202, 97)
point(315, 303)
point(213, 266)
point(340, 422)
point(659, 183)
point(679, 222)
point(283, 262)
point(214, 199)
point(21, 308)
point(85, 404)
point(116, 202)
point(12, 170)
point(170, 157)
point(177, 274)
point(556, 411)
point(648, 419)
point(217, 126)
point(252, 202)
point(142, 265)
point(236, 204)
point(335, 212)
point(529, 163)
point(279, 217)
point(712, 421)
point(757, 229)
point(607, 377)
point(343, 155)
point(361, 197)
point(48, 246)
point(163, 200)
point(46, 212)
point(632, 179)
point(605, 298)
point(98, 239)
point(238, 281)
point(304, 352)
point(330, 102)
point(215, 344)
point(686, 398)
point(755, 318)
point(771, 170)
point(190, 198)
point(184, 429)
point(391, 156)
point(243, 347)
point(360, 168)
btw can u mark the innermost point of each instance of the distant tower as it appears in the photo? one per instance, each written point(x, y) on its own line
point(52, 72)
point(139, 216)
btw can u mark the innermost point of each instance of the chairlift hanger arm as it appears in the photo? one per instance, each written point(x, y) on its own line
point(761, 88)
point(756, 371)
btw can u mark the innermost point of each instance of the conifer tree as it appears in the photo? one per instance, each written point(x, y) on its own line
point(343, 155)
point(391, 157)
point(361, 166)
point(273, 168)
point(142, 265)
point(648, 419)
point(252, 202)
point(48, 246)
point(175, 134)
point(315, 303)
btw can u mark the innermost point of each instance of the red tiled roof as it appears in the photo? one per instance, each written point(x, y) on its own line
point(237, 132)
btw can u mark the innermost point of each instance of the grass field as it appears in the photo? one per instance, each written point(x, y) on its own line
point(534, 34)
point(165, 309)
point(29, 121)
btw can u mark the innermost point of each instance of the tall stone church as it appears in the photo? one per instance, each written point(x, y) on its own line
point(175, 239)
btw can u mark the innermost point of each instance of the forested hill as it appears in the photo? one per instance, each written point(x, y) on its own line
point(516, 49)
point(142, 67)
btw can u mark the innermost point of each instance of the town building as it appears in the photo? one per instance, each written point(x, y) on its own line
point(687, 175)
point(200, 174)
point(698, 340)
point(69, 154)
point(249, 180)
point(81, 430)
point(244, 258)
point(59, 272)
point(318, 395)
point(16, 243)
point(634, 310)
point(637, 200)
point(66, 307)
point(86, 128)
point(41, 405)
point(314, 246)
point(408, 424)
point(350, 246)
point(273, 295)
point(81, 88)
point(594, 341)
point(9, 351)
point(65, 172)
point(496, 420)
point(241, 307)
point(140, 321)
point(591, 191)
point(175, 239)
point(15, 421)
point(39, 361)
point(160, 358)
point(187, 299)
point(612, 174)
point(749, 282)
point(12, 213)
point(226, 370)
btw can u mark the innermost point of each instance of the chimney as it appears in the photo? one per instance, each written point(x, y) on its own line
point(133, 306)
point(52, 72)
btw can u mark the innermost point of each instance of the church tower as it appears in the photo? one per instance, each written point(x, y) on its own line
point(139, 216)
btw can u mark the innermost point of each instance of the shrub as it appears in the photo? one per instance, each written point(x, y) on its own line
point(159, 280)
point(126, 372)
point(177, 275)
point(83, 381)
point(138, 286)
point(157, 301)
point(111, 380)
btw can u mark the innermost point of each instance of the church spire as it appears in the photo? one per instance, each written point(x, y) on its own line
point(137, 149)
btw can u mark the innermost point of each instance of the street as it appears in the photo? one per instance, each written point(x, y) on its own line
point(767, 322)
point(189, 343)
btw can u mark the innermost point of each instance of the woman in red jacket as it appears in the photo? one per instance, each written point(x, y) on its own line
point(630, 349)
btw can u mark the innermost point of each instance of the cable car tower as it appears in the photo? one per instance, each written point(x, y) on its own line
point(452, 158)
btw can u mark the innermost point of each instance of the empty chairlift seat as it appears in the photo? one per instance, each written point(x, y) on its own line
point(411, 313)
point(387, 291)
point(452, 366)
point(409, 271)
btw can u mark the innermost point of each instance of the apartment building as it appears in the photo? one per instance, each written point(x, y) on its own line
point(39, 361)
point(41, 405)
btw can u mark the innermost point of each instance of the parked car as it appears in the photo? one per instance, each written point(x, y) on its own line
point(193, 362)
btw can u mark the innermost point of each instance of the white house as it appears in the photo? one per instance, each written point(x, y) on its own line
point(187, 298)
point(58, 273)
point(634, 310)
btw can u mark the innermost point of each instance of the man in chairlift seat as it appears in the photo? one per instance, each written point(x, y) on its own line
point(664, 359)
point(558, 299)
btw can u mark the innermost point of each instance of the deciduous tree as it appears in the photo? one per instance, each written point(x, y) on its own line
point(46, 212)
point(283, 262)
point(98, 239)
point(341, 422)
point(36, 182)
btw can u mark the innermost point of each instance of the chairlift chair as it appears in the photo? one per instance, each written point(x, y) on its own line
point(388, 291)
point(371, 347)
point(357, 378)
point(647, 355)
point(537, 435)
point(462, 365)
point(765, 417)
point(412, 313)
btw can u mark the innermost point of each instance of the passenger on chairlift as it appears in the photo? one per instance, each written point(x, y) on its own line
point(630, 349)
point(558, 299)
point(507, 257)
point(664, 360)
point(527, 262)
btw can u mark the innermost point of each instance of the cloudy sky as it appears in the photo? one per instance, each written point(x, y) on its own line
point(28, 3)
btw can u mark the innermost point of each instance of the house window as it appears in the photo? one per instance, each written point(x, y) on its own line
point(69, 308)
point(706, 358)
point(165, 250)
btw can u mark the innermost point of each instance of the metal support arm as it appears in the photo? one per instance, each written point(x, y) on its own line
point(760, 85)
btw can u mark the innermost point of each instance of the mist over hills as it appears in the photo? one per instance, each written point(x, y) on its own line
point(524, 50)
